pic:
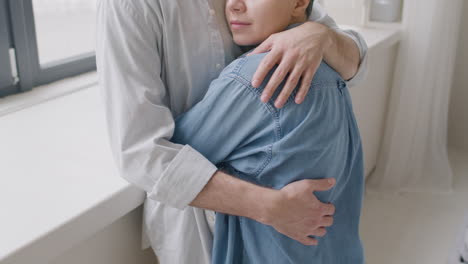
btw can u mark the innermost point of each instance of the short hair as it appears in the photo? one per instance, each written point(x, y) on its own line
point(309, 8)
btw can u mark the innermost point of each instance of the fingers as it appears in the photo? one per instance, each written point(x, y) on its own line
point(308, 241)
point(320, 232)
point(306, 82)
point(321, 184)
point(288, 88)
point(275, 80)
point(267, 63)
point(326, 221)
point(264, 47)
point(326, 209)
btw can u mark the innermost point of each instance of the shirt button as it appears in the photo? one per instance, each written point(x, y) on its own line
point(212, 12)
point(218, 66)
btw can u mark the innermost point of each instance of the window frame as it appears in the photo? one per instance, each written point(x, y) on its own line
point(30, 72)
point(7, 80)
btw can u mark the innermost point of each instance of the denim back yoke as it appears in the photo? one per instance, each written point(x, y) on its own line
point(316, 139)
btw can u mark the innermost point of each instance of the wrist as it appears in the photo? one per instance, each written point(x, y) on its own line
point(335, 53)
point(323, 33)
point(266, 204)
point(328, 42)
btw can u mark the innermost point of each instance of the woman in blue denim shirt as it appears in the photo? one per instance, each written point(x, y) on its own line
point(273, 147)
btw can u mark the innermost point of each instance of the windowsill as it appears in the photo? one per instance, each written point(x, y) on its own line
point(60, 184)
point(47, 92)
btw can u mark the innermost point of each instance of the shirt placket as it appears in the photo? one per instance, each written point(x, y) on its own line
point(216, 40)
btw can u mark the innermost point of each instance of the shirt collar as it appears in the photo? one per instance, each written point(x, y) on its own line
point(294, 25)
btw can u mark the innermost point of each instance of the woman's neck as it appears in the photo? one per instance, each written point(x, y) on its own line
point(294, 23)
point(295, 20)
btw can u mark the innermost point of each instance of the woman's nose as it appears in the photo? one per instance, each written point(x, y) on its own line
point(236, 5)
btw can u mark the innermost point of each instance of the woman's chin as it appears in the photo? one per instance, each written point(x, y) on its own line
point(243, 41)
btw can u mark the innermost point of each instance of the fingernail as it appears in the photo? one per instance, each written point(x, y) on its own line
point(255, 83)
point(264, 98)
point(330, 181)
point(278, 103)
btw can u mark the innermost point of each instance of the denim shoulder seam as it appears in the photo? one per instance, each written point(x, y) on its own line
point(269, 106)
point(273, 113)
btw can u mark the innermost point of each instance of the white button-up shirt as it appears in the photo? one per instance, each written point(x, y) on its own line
point(155, 60)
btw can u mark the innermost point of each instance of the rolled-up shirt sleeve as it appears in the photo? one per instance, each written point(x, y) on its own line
point(321, 16)
point(139, 121)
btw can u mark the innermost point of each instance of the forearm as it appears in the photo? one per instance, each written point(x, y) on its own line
point(342, 54)
point(230, 195)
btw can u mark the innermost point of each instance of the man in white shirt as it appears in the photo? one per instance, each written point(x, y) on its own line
point(155, 60)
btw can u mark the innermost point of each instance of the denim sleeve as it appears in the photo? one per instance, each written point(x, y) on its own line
point(230, 119)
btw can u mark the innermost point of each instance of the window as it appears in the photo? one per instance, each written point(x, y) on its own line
point(42, 41)
point(7, 81)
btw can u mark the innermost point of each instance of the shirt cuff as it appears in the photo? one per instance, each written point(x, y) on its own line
point(183, 179)
point(363, 67)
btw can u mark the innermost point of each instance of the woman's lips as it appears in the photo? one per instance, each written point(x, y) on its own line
point(239, 25)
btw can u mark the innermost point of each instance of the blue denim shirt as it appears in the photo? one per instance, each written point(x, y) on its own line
point(273, 147)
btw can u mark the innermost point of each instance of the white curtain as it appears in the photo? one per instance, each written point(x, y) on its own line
point(414, 151)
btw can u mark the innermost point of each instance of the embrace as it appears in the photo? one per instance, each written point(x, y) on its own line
point(234, 116)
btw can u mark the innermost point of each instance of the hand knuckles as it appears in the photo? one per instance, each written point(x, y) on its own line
point(267, 64)
point(281, 71)
point(319, 232)
point(293, 79)
point(307, 242)
point(308, 77)
point(314, 223)
point(301, 239)
point(322, 208)
point(306, 83)
point(296, 57)
point(295, 51)
point(317, 206)
point(323, 231)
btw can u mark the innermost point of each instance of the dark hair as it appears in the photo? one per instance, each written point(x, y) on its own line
point(309, 8)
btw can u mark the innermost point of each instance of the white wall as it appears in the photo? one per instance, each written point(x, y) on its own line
point(458, 114)
point(118, 243)
point(344, 12)
point(370, 102)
